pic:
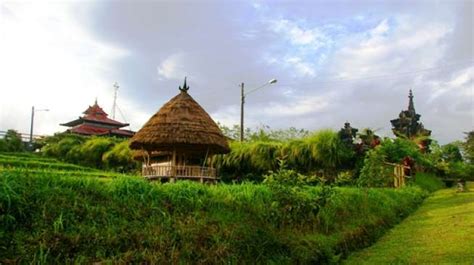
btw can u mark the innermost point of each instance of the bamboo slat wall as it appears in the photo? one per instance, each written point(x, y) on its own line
point(157, 171)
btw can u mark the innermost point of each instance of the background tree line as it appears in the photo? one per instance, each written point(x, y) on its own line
point(295, 154)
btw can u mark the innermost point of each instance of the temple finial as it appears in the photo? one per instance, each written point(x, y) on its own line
point(95, 102)
point(185, 87)
point(411, 105)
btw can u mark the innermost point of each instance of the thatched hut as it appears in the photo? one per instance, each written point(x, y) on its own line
point(178, 142)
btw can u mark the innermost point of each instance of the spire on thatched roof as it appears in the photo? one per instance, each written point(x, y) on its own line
point(181, 124)
point(185, 88)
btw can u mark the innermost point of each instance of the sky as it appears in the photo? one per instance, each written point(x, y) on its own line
point(335, 61)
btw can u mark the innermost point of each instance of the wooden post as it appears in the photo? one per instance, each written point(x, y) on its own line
point(173, 165)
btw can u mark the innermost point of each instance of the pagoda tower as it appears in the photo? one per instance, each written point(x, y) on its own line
point(96, 122)
point(408, 124)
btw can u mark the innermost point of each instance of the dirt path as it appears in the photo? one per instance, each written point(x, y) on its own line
point(441, 231)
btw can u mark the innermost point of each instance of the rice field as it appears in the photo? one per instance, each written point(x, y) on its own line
point(53, 212)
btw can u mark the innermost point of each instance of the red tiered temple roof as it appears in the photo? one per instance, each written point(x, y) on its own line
point(96, 122)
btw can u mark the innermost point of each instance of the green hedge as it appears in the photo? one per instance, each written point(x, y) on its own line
point(49, 218)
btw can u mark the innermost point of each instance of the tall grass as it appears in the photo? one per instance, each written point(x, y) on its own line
point(428, 182)
point(51, 218)
point(320, 151)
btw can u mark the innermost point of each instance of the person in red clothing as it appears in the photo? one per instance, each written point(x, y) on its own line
point(409, 164)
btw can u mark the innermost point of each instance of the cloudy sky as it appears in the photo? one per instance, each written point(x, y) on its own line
point(335, 61)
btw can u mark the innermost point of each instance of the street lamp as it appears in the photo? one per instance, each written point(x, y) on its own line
point(32, 121)
point(272, 81)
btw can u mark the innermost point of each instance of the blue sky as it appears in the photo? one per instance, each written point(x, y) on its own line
point(335, 61)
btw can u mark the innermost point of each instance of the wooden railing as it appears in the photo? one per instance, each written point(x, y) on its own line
point(157, 171)
point(398, 174)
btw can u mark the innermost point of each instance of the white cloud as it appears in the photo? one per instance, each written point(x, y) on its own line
point(228, 116)
point(410, 44)
point(297, 107)
point(461, 83)
point(303, 48)
point(302, 67)
point(298, 35)
point(49, 61)
point(380, 29)
point(172, 67)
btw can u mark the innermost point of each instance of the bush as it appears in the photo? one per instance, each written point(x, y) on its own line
point(428, 182)
point(98, 152)
point(321, 152)
point(12, 142)
point(375, 173)
point(93, 149)
point(288, 177)
point(60, 145)
point(120, 158)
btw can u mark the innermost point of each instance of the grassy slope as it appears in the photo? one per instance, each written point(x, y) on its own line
point(62, 214)
point(441, 231)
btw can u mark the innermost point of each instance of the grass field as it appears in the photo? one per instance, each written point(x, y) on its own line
point(441, 231)
point(53, 212)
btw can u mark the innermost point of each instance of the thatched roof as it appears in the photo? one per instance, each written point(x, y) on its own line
point(181, 124)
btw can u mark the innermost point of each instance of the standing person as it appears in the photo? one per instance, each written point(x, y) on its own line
point(409, 165)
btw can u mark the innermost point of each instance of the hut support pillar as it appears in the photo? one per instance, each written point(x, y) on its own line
point(173, 166)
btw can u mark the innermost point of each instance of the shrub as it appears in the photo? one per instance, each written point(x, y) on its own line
point(288, 177)
point(61, 144)
point(12, 142)
point(323, 152)
point(120, 158)
point(428, 182)
point(375, 173)
point(93, 149)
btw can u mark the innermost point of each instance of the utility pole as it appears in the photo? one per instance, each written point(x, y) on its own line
point(31, 127)
point(242, 101)
point(32, 122)
point(114, 106)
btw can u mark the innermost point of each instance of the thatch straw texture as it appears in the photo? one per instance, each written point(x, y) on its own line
point(181, 124)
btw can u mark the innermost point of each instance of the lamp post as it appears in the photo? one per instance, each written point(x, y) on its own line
point(242, 101)
point(32, 122)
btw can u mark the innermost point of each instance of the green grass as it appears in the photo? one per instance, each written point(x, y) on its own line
point(61, 214)
point(441, 231)
point(428, 182)
point(63, 219)
point(33, 161)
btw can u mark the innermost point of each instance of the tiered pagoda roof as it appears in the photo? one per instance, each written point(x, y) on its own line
point(96, 122)
point(408, 123)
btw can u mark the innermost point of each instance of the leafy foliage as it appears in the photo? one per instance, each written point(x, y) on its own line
point(97, 152)
point(375, 172)
point(264, 133)
point(120, 158)
point(287, 177)
point(322, 152)
point(11, 142)
point(468, 147)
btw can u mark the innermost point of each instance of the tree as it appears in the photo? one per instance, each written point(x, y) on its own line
point(368, 140)
point(451, 153)
point(12, 142)
point(468, 147)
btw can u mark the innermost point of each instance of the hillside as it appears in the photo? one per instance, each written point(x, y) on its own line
point(51, 212)
point(441, 231)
